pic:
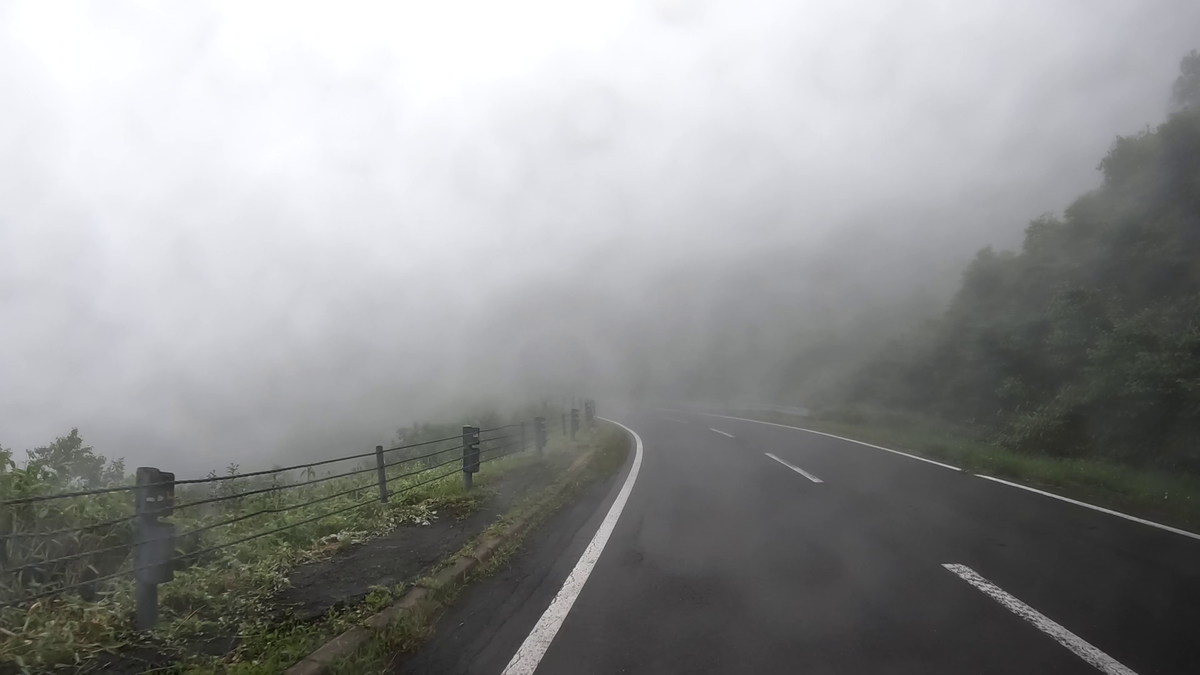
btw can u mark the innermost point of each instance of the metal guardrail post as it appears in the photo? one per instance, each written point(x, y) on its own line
point(470, 443)
point(539, 433)
point(382, 470)
point(153, 541)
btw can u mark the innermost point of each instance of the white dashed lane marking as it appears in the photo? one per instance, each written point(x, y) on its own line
point(1103, 662)
point(795, 468)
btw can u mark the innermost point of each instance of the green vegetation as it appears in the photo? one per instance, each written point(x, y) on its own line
point(1085, 344)
point(64, 465)
point(215, 598)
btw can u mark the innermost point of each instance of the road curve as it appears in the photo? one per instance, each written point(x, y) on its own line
point(768, 549)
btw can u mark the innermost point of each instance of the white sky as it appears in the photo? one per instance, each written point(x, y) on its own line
point(232, 225)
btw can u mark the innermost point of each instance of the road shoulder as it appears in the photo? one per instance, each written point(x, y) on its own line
point(415, 627)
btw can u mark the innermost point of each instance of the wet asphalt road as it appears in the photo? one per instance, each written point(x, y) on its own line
point(725, 560)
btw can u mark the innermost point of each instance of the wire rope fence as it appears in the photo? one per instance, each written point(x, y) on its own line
point(37, 563)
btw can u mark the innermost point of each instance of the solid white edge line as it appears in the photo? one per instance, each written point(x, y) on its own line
point(1076, 502)
point(531, 651)
point(840, 438)
point(723, 433)
point(1101, 509)
point(1064, 637)
point(795, 468)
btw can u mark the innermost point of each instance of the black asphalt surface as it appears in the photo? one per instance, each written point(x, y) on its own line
point(725, 561)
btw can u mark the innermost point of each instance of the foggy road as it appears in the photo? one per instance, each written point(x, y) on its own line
point(253, 245)
point(769, 549)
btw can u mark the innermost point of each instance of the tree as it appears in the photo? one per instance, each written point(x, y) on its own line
point(74, 462)
point(1087, 340)
point(1185, 93)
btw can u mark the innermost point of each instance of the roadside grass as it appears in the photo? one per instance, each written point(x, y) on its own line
point(270, 643)
point(611, 446)
point(218, 600)
point(1174, 498)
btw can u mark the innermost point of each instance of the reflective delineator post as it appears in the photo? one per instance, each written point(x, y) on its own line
point(470, 448)
point(153, 541)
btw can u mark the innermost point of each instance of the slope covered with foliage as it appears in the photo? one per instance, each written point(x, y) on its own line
point(1086, 342)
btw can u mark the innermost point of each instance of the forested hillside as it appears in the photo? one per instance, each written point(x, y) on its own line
point(1086, 342)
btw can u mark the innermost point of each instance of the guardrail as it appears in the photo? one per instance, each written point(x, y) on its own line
point(155, 543)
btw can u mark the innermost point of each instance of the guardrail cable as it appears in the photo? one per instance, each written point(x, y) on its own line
point(213, 479)
point(185, 556)
point(66, 530)
point(109, 549)
point(506, 426)
point(457, 437)
point(485, 455)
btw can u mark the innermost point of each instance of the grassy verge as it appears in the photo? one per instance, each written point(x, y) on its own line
point(270, 644)
point(1173, 498)
point(611, 446)
point(219, 602)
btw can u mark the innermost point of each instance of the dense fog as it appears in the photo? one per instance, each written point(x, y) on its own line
point(238, 231)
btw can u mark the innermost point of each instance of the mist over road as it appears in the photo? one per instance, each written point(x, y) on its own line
point(729, 557)
point(235, 231)
point(243, 236)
